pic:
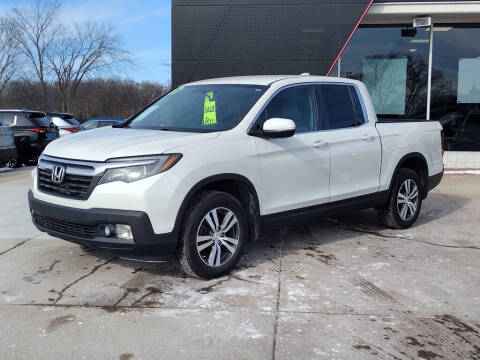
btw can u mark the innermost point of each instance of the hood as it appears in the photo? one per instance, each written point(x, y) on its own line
point(106, 143)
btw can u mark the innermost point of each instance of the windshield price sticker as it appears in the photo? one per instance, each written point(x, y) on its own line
point(209, 110)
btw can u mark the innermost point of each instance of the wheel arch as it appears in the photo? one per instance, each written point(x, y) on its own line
point(417, 162)
point(237, 185)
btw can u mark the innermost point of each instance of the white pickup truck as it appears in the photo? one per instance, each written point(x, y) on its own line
point(198, 172)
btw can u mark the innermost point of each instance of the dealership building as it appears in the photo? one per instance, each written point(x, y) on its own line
point(419, 59)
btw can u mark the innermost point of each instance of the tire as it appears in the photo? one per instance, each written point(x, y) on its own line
point(399, 215)
point(199, 236)
point(14, 163)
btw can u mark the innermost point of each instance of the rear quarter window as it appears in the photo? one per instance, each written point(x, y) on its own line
point(7, 119)
point(22, 120)
point(41, 121)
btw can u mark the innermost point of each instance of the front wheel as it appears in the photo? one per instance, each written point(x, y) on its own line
point(405, 202)
point(214, 235)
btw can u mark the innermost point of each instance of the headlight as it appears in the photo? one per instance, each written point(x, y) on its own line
point(134, 172)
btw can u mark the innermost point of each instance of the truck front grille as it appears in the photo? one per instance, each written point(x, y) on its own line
point(65, 227)
point(74, 186)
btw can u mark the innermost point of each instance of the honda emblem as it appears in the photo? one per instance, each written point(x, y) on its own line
point(58, 174)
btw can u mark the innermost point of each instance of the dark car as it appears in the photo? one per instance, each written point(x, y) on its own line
point(101, 122)
point(33, 131)
point(66, 123)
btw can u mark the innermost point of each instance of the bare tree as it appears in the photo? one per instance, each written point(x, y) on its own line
point(37, 27)
point(96, 97)
point(8, 53)
point(90, 49)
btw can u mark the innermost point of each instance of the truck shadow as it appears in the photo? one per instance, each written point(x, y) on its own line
point(151, 285)
point(311, 234)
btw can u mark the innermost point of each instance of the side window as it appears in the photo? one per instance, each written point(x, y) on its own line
point(338, 110)
point(7, 119)
point(296, 103)
point(23, 120)
point(105, 123)
point(90, 125)
point(357, 106)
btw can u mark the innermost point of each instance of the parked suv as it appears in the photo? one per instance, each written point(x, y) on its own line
point(65, 122)
point(32, 131)
point(200, 171)
point(8, 150)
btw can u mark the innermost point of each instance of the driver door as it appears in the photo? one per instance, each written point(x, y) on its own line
point(296, 170)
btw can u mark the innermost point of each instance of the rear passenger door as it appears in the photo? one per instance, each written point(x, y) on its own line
point(354, 142)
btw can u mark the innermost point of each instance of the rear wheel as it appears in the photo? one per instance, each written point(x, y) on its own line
point(14, 163)
point(214, 235)
point(405, 202)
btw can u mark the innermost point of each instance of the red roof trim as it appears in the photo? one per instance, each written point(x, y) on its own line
point(350, 37)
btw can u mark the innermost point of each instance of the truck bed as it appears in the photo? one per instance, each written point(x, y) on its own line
point(400, 138)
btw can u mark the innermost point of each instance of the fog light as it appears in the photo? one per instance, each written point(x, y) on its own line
point(109, 230)
point(124, 232)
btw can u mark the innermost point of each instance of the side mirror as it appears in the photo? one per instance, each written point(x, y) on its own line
point(278, 128)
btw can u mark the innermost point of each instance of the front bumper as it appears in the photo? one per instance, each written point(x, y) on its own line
point(83, 226)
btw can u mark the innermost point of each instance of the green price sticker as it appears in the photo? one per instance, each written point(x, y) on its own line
point(209, 110)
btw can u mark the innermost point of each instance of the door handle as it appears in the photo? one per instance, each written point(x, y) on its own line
point(367, 137)
point(320, 144)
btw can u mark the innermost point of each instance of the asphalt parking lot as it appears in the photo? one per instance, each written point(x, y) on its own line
point(337, 288)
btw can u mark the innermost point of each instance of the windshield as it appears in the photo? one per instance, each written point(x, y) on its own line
point(200, 108)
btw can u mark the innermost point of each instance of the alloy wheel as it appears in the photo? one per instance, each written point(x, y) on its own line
point(12, 163)
point(218, 236)
point(407, 200)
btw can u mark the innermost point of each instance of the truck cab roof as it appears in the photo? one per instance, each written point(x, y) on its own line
point(266, 80)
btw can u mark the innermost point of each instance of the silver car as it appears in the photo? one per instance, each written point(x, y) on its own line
point(66, 123)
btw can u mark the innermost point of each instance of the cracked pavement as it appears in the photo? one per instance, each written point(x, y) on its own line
point(335, 288)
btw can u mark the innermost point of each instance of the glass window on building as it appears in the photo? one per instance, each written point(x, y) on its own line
point(456, 85)
point(392, 61)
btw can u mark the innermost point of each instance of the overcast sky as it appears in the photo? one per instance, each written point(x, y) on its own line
point(144, 27)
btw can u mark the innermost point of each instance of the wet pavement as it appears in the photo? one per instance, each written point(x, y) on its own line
point(336, 288)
